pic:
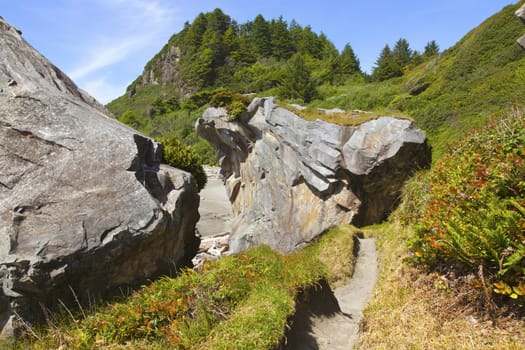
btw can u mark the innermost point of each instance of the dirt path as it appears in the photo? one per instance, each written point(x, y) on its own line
point(330, 320)
point(215, 208)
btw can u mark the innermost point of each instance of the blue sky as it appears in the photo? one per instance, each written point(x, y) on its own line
point(103, 45)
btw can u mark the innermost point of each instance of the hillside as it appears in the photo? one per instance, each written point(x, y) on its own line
point(477, 79)
point(213, 53)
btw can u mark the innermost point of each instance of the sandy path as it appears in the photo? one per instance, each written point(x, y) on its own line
point(215, 208)
point(330, 321)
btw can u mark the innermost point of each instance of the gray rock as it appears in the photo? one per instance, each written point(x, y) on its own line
point(521, 14)
point(85, 205)
point(289, 180)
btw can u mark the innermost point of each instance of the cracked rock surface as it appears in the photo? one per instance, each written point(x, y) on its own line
point(289, 179)
point(85, 204)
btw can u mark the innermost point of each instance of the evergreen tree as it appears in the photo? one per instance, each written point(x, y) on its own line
point(402, 54)
point(245, 53)
point(417, 59)
point(348, 61)
point(231, 39)
point(386, 66)
point(201, 70)
point(431, 49)
point(328, 50)
point(193, 36)
point(344, 66)
point(309, 43)
point(260, 33)
point(297, 81)
point(218, 21)
point(281, 42)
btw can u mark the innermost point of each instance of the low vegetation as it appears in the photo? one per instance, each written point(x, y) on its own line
point(235, 104)
point(181, 156)
point(470, 209)
point(416, 309)
point(452, 255)
point(339, 117)
point(452, 258)
point(239, 302)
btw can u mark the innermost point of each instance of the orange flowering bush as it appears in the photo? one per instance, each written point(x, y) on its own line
point(472, 215)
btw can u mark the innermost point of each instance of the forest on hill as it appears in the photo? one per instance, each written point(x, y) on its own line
point(263, 57)
point(447, 93)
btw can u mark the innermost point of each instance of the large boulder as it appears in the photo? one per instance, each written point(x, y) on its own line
point(86, 207)
point(289, 179)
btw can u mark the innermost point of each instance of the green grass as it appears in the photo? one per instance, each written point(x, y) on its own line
point(415, 309)
point(239, 302)
point(140, 101)
point(477, 80)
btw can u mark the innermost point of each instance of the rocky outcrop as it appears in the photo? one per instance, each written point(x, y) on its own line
point(85, 205)
point(164, 69)
point(289, 180)
point(521, 14)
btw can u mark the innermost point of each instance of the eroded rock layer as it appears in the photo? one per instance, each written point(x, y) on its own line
point(85, 205)
point(289, 179)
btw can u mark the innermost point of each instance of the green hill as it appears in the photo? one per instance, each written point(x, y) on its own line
point(479, 78)
point(464, 219)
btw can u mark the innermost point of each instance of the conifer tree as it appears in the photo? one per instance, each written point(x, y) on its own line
point(309, 43)
point(297, 81)
point(385, 67)
point(348, 61)
point(344, 66)
point(281, 42)
point(260, 33)
point(431, 49)
point(402, 54)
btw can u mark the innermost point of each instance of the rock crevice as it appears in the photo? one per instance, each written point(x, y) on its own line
point(290, 179)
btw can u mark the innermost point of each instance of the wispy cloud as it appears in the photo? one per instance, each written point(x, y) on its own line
point(105, 91)
point(132, 29)
point(156, 12)
point(102, 56)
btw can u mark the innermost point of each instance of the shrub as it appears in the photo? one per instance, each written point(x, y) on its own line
point(473, 214)
point(183, 157)
point(235, 104)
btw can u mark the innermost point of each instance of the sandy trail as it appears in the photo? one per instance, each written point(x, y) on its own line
point(215, 208)
point(330, 321)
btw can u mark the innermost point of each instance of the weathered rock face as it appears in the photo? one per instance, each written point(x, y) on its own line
point(521, 14)
point(85, 204)
point(289, 179)
point(165, 69)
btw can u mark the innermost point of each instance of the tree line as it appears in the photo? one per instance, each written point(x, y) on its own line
point(262, 54)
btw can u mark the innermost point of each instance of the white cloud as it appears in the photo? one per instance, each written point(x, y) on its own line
point(102, 89)
point(143, 12)
point(102, 56)
point(129, 34)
